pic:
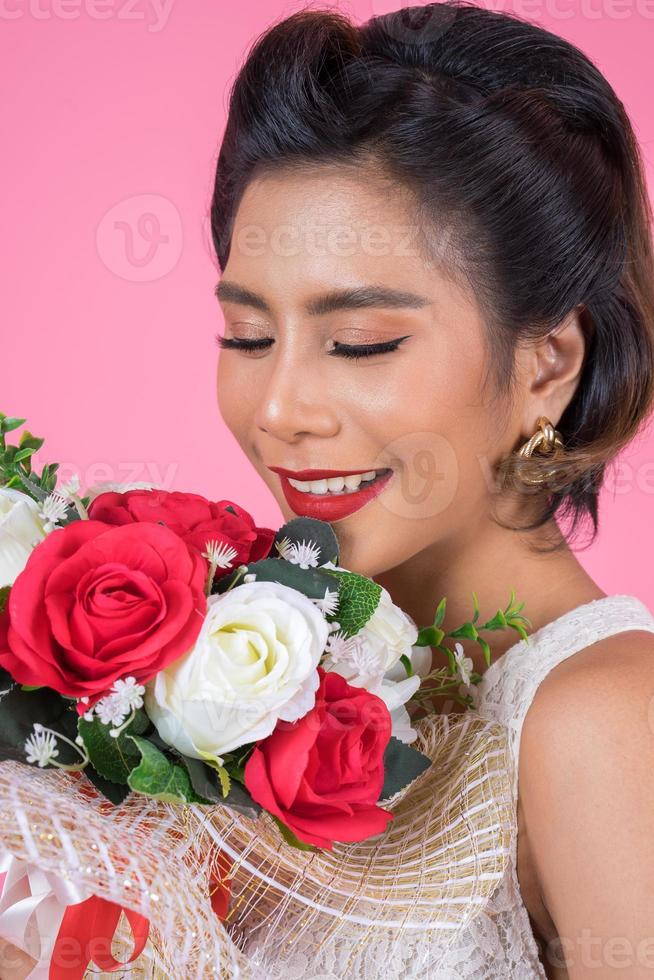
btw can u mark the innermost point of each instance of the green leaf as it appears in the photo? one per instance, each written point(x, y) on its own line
point(311, 582)
point(205, 783)
point(114, 758)
point(4, 597)
point(440, 612)
point(319, 533)
point(8, 424)
point(358, 597)
point(31, 687)
point(158, 777)
point(290, 837)
point(28, 441)
point(468, 630)
point(34, 489)
point(486, 648)
point(429, 636)
point(402, 765)
point(23, 454)
point(114, 792)
point(19, 710)
point(407, 665)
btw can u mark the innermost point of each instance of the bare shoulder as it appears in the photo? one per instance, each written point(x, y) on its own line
point(587, 795)
point(611, 676)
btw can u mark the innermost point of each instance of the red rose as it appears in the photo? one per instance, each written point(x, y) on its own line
point(323, 774)
point(192, 517)
point(95, 603)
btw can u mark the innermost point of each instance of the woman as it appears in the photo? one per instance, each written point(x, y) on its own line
point(435, 247)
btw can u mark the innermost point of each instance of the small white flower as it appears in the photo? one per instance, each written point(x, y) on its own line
point(110, 711)
point(129, 692)
point(304, 554)
point(283, 546)
point(124, 696)
point(53, 509)
point(355, 657)
point(250, 577)
point(340, 647)
point(464, 664)
point(41, 746)
point(219, 554)
point(328, 605)
point(66, 489)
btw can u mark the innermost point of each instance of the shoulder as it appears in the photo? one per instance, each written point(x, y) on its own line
point(611, 680)
point(587, 796)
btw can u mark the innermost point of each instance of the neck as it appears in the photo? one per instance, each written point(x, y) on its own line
point(491, 562)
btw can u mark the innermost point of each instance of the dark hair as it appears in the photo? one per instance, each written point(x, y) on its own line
point(511, 138)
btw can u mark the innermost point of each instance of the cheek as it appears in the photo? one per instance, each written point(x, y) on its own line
point(231, 389)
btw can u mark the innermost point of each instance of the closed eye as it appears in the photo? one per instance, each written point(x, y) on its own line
point(338, 350)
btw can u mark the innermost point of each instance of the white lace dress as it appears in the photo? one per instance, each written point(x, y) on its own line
point(498, 943)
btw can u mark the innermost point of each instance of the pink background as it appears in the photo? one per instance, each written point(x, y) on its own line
point(110, 135)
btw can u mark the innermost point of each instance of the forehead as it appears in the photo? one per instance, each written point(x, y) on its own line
point(329, 217)
point(305, 230)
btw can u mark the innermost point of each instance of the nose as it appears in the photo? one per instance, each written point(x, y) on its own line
point(296, 403)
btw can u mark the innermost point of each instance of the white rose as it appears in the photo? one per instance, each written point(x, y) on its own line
point(397, 688)
point(390, 631)
point(253, 664)
point(21, 529)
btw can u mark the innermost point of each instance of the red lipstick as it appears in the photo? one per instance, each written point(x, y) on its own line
point(329, 507)
point(316, 474)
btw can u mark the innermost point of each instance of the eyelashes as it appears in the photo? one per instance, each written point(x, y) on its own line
point(339, 350)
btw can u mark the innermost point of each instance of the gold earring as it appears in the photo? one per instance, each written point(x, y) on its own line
point(549, 442)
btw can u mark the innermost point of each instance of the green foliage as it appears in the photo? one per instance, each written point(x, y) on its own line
point(358, 597)
point(291, 838)
point(4, 597)
point(158, 776)
point(402, 765)
point(16, 461)
point(20, 709)
point(114, 792)
point(205, 780)
point(320, 533)
point(113, 758)
point(311, 582)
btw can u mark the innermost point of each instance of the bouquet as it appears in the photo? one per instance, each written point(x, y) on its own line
point(163, 644)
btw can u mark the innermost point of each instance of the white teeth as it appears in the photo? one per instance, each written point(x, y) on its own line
point(335, 484)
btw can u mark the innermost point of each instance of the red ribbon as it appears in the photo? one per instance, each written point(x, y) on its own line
point(219, 888)
point(85, 935)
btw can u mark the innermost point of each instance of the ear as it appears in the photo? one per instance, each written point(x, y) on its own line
point(550, 370)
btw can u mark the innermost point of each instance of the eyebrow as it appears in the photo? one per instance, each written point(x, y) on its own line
point(354, 298)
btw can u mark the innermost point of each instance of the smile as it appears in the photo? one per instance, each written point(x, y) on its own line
point(333, 498)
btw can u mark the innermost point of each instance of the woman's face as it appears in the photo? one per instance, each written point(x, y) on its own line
point(310, 258)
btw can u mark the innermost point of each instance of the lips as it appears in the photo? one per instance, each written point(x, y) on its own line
point(329, 507)
point(307, 475)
